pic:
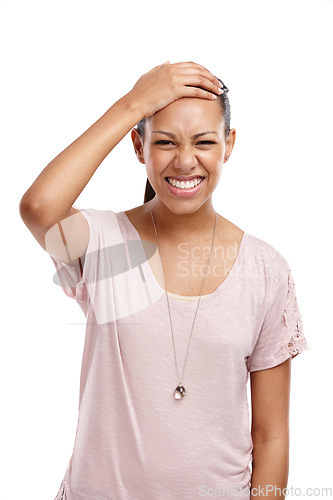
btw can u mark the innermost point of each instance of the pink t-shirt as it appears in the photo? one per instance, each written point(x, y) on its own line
point(133, 439)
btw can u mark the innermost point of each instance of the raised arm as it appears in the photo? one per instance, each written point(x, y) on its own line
point(50, 198)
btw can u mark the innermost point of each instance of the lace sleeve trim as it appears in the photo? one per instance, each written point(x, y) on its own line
point(294, 341)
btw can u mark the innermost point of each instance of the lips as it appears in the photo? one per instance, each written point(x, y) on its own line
point(184, 192)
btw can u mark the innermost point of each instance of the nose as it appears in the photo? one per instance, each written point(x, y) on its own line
point(185, 159)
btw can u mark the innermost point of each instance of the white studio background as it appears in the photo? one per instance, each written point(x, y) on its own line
point(63, 65)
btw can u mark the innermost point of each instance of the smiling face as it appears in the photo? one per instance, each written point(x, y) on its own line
point(185, 140)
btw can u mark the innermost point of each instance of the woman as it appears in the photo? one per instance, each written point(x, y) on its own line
point(165, 286)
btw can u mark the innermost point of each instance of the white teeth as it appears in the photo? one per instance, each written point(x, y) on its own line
point(184, 185)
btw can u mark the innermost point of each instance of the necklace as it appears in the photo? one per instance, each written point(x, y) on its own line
point(180, 391)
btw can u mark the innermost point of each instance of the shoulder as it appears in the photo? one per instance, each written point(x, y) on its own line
point(98, 216)
point(105, 225)
point(262, 251)
point(267, 258)
point(264, 248)
point(96, 212)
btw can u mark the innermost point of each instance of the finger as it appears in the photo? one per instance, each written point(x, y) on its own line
point(200, 71)
point(202, 81)
point(191, 64)
point(196, 92)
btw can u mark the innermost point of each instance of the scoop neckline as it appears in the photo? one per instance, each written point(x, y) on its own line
point(190, 304)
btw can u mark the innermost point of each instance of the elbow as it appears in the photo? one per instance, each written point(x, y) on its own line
point(31, 209)
point(270, 433)
point(261, 441)
point(277, 447)
point(27, 205)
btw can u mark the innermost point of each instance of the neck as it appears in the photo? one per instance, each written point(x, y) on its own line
point(182, 224)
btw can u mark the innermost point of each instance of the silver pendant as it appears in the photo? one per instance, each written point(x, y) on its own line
point(179, 392)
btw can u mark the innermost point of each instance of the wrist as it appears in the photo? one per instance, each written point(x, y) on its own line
point(133, 107)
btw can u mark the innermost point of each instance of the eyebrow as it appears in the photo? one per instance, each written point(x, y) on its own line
point(193, 137)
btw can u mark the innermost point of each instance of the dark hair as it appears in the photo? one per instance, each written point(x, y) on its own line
point(222, 99)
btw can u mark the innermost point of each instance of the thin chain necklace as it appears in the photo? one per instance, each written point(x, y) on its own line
point(180, 391)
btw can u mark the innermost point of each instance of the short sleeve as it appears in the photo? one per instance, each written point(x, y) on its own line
point(73, 278)
point(281, 335)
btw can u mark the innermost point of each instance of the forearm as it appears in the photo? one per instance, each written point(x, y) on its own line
point(60, 183)
point(270, 468)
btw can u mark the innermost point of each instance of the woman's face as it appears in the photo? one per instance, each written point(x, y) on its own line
point(174, 150)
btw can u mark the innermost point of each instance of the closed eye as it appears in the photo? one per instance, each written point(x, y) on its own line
point(165, 142)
